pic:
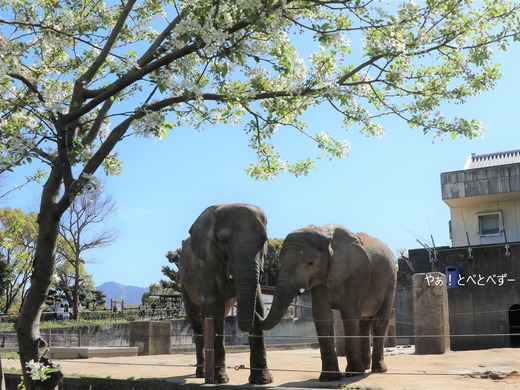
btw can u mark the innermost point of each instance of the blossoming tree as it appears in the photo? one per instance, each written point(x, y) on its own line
point(77, 77)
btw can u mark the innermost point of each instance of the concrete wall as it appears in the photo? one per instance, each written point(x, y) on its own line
point(107, 335)
point(403, 304)
point(152, 338)
point(488, 189)
point(292, 331)
point(480, 307)
point(403, 300)
point(499, 181)
point(468, 215)
point(288, 331)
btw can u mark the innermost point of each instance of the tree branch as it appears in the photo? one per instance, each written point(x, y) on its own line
point(369, 62)
point(29, 85)
point(100, 59)
point(154, 49)
point(98, 122)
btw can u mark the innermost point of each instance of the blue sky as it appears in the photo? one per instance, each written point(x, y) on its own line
point(388, 187)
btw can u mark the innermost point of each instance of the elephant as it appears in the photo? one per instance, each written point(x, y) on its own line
point(220, 265)
point(352, 273)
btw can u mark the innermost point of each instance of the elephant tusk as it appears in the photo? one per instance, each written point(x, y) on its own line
point(230, 276)
point(258, 317)
point(301, 291)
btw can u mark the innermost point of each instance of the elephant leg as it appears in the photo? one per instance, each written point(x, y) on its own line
point(196, 322)
point(325, 329)
point(378, 357)
point(198, 334)
point(364, 331)
point(260, 374)
point(355, 364)
point(220, 353)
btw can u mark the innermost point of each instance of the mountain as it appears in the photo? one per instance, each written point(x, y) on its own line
point(131, 295)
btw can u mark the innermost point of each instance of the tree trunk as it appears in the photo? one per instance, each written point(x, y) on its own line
point(31, 345)
point(75, 295)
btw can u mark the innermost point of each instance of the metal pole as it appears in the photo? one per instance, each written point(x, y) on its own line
point(209, 345)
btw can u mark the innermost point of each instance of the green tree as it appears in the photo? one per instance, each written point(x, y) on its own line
point(272, 261)
point(77, 78)
point(99, 298)
point(173, 282)
point(18, 233)
point(148, 297)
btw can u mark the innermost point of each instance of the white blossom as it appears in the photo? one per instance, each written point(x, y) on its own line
point(38, 371)
point(149, 124)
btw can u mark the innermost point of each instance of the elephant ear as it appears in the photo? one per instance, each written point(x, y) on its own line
point(202, 233)
point(347, 256)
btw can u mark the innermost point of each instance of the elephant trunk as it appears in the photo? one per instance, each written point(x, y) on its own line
point(283, 297)
point(246, 282)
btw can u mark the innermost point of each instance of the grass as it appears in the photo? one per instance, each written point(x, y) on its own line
point(74, 374)
point(12, 370)
point(9, 355)
point(6, 327)
point(9, 326)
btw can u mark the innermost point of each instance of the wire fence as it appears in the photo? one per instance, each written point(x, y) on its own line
point(55, 335)
point(82, 337)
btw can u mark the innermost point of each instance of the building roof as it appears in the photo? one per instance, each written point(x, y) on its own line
point(492, 159)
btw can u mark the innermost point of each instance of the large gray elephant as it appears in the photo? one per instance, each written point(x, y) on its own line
point(219, 266)
point(353, 273)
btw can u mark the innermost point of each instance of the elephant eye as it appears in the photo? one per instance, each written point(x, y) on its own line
point(310, 263)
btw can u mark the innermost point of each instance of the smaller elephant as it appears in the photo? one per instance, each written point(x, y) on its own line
point(352, 273)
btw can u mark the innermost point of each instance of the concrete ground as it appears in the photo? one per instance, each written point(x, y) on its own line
point(300, 368)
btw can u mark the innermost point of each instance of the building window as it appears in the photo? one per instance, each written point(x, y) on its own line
point(490, 224)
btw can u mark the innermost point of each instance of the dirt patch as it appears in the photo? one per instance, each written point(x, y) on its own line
point(493, 375)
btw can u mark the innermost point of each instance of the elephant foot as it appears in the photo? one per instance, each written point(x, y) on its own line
point(379, 366)
point(330, 376)
point(260, 376)
point(199, 372)
point(221, 376)
point(353, 370)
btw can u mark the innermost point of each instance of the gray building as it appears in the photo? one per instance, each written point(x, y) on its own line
point(482, 266)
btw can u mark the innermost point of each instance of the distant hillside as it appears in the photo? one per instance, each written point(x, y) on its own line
point(131, 295)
